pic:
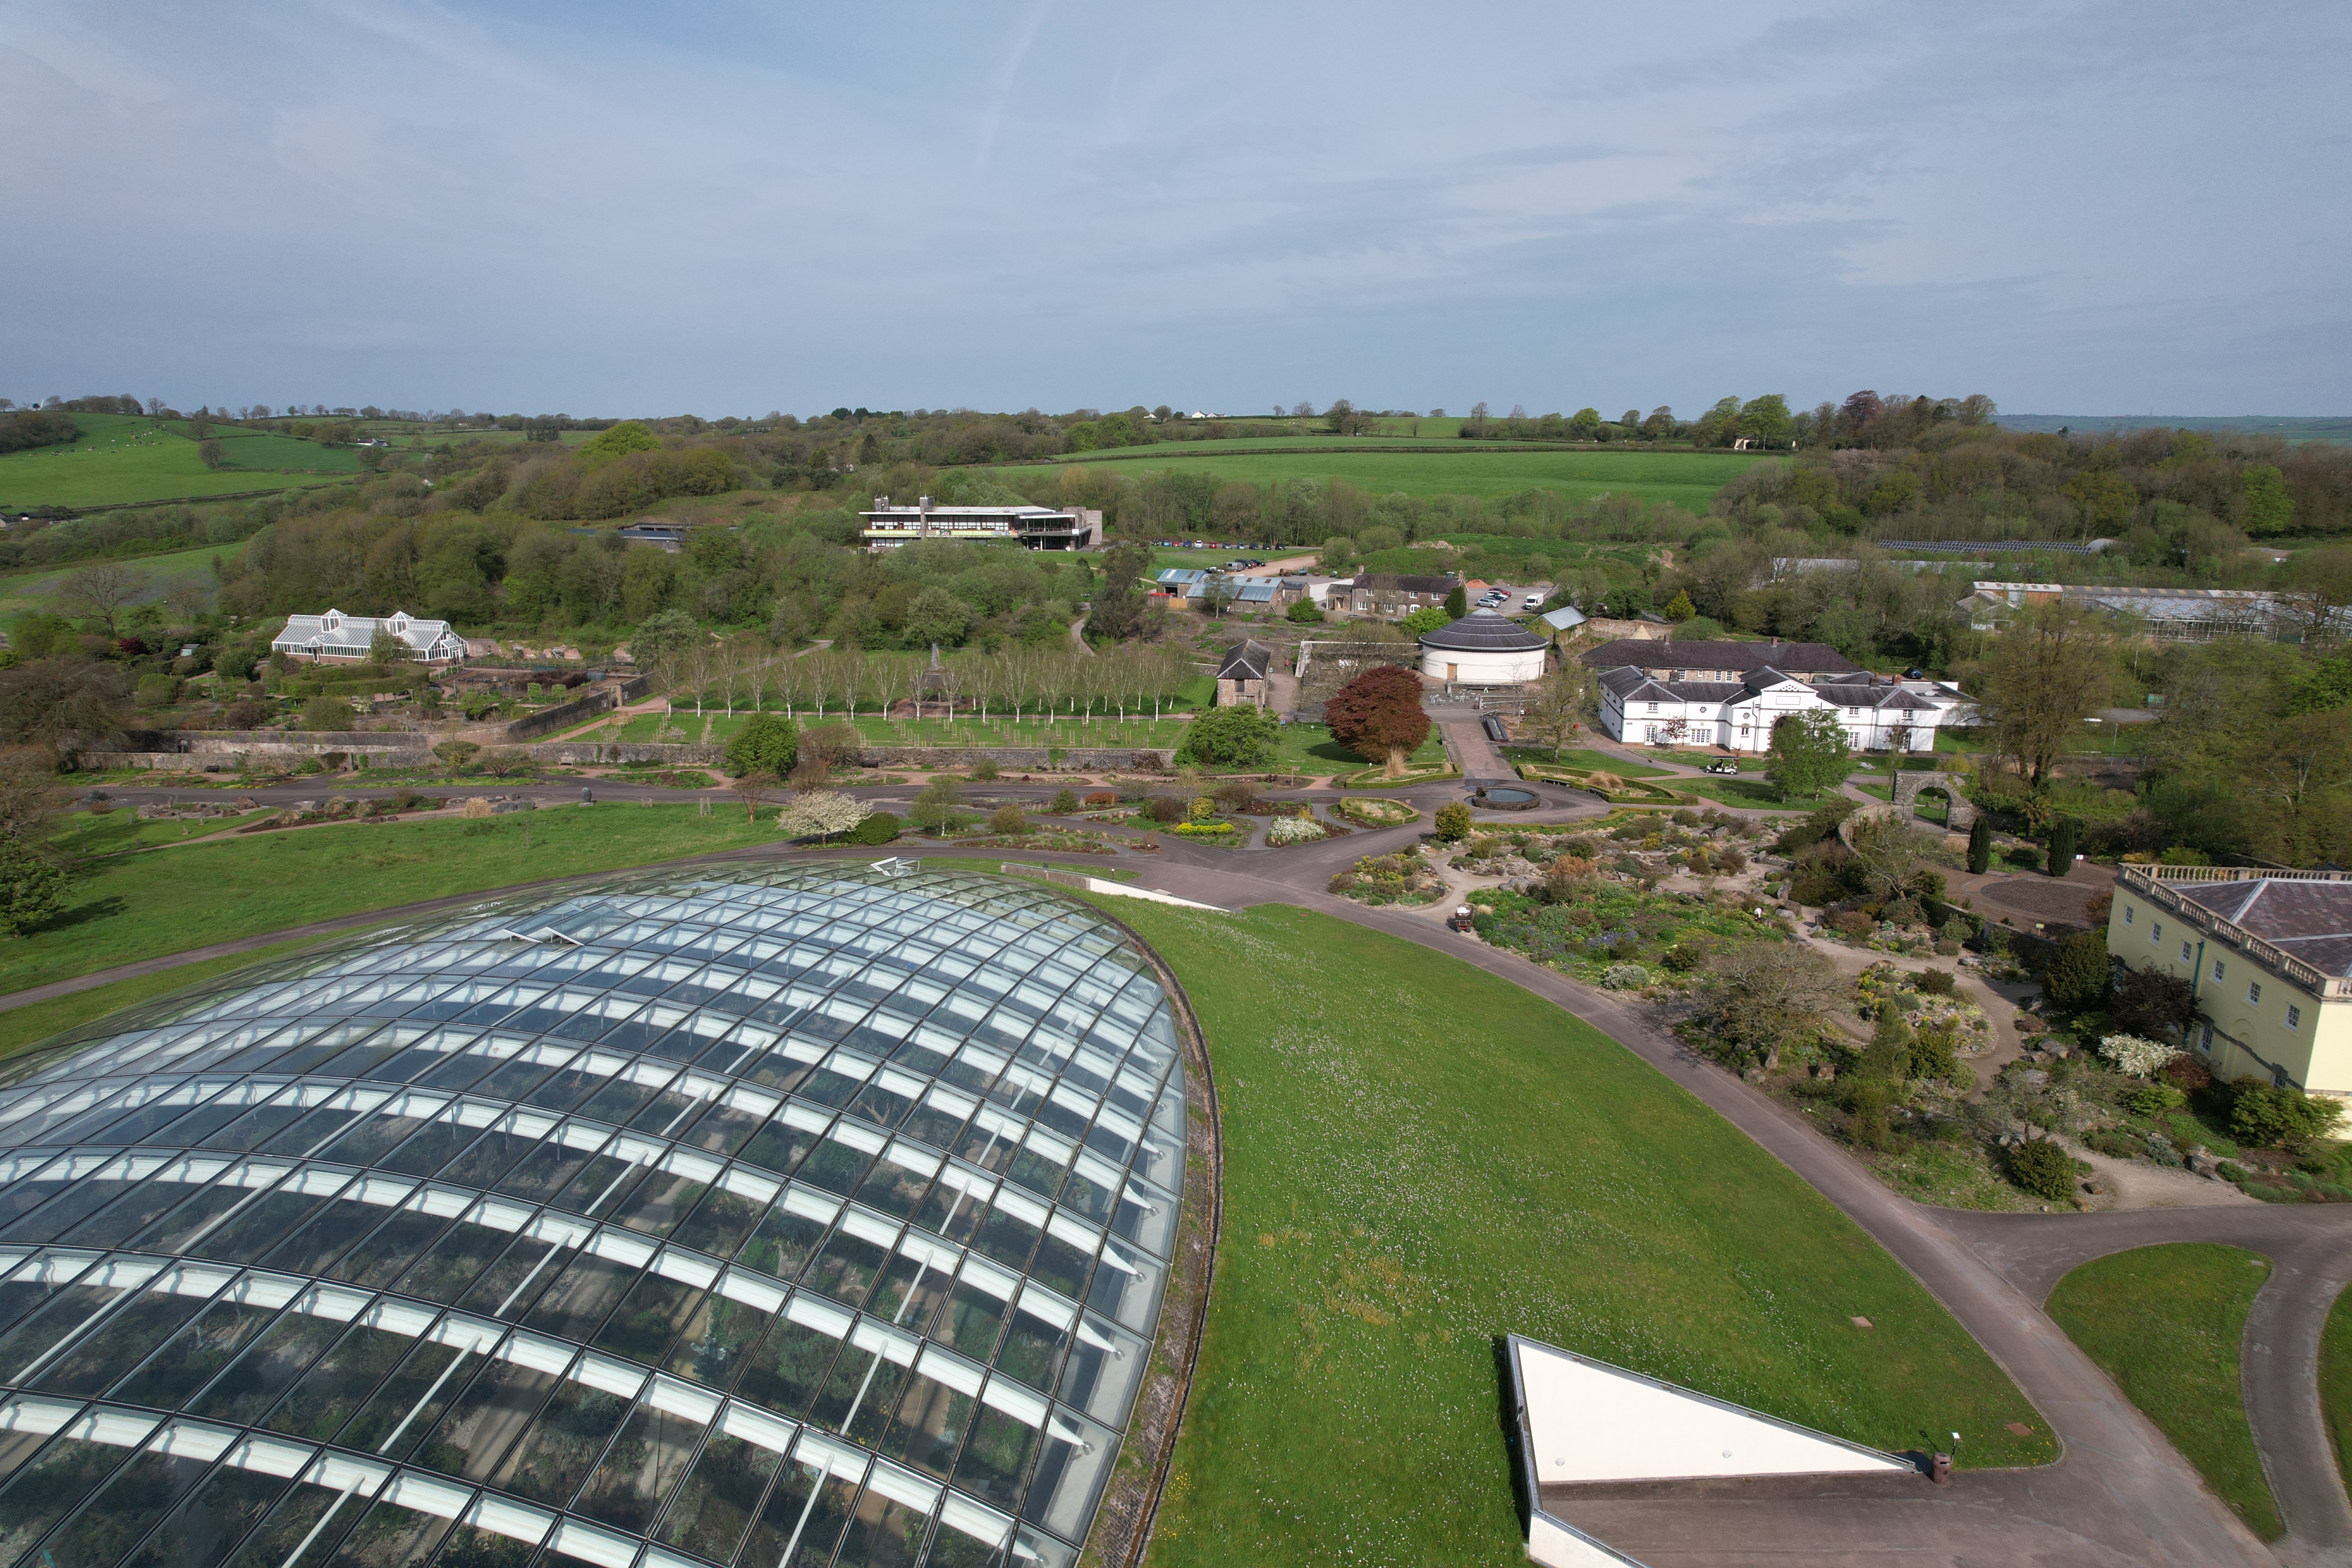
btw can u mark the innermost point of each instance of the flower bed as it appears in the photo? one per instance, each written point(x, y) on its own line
point(1925, 1009)
point(1404, 878)
point(1614, 925)
point(1374, 812)
point(1285, 831)
point(1372, 778)
point(1610, 787)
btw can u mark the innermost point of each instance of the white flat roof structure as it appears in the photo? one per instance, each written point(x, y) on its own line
point(1585, 1421)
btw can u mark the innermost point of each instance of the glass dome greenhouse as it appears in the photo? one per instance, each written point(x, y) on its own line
point(748, 1215)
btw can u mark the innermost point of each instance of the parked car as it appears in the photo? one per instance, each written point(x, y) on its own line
point(1722, 766)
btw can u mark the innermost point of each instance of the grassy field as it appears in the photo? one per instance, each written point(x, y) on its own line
point(123, 458)
point(2335, 1383)
point(1420, 1158)
point(1687, 478)
point(21, 591)
point(141, 905)
point(88, 833)
point(2166, 1323)
point(1748, 794)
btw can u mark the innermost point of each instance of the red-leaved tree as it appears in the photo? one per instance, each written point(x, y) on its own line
point(1378, 716)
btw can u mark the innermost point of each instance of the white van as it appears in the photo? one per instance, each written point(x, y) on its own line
point(1535, 601)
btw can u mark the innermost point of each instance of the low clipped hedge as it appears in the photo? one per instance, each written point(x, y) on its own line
point(1636, 791)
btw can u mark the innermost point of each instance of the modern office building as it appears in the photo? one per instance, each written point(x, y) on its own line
point(887, 527)
point(767, 1217)
point(2269, 954)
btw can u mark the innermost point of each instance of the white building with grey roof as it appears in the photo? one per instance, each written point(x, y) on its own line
point(1878, 715)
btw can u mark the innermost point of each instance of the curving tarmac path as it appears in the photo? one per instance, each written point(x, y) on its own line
point(2120, 1495)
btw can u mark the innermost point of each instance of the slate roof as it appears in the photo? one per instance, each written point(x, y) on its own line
point(2309, 921)
point(1875, 696)
point(1245, 660)
point(1484, 631)
point(1401, 583)
point(1666, 653)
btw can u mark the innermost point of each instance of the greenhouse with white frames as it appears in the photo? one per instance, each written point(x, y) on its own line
point(760, 1215)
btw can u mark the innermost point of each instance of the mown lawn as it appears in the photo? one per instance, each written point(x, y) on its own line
point(2335, 1383)
point(1420, 1158)
point(89, 832)
point(138, 906)
point(1598, 761)
point(2166, 1323)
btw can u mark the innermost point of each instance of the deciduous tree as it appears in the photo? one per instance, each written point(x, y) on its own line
point(1807, 755)
point(1378, 716)
point(2049, 670)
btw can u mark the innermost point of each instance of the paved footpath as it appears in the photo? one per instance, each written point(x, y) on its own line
point(2121, 1495)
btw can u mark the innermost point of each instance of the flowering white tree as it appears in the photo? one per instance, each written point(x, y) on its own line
point(1291, 830)
point(2134, 1054)
point(821, 813)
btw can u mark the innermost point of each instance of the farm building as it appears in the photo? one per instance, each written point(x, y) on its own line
point(1243, 676)
point(337, 636)
point(1392, 597)
point(1483, 648)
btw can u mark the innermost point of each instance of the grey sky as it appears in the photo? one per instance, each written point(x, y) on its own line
point(2097, 208)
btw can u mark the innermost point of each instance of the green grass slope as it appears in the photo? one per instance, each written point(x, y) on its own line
point(157, 901)
point(1687, 478)
point(1420, 1157)
point(21, 591)
point(2335, 1383)
point(125, 458)
point(2166, 1323)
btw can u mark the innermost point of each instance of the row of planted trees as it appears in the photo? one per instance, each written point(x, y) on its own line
point(743, 674)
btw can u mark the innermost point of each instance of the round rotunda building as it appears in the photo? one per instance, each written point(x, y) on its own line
point(1483, 648)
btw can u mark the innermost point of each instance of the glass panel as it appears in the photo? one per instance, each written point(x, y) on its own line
point(658, 1203)
point(786, 1373)
point(390, 1536)
point(884, 1533)
point(803, 1519)
point(846, 1268)
point(138, 1494)
point(930, 1426)
point(835, 1166)
point(190, 1358)
point(207, 1527)
point(782, 1244)
point(509, 1285)
point(648, 1318)
point(716, 1342)
point(339, 1381)
point(719, 1224)
point(563, 1445)
point(576, 1305)
point(266, 1370)
point(455, 1262)
point(996, 1458)
point(469, 1547)
point(384, 1256)
point(484, 1421)
point(779, 1147)
point(412, 1400)
point(302, 1531)
point(716, 1505)
point(894, 1189)
point(647, 1460)
point(44, 1491)
point(545, 1172)
point(973, 1319)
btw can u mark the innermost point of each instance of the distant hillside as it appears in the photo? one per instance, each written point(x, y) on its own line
point(2335, 427)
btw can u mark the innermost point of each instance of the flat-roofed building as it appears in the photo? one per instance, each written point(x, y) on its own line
point(887, 527)
point(2268, 954)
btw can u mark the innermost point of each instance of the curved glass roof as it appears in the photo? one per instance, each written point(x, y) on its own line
point(748, 1215)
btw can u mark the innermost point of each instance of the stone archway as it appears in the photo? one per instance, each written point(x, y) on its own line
point(1907, 786)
